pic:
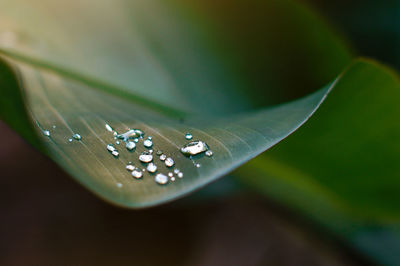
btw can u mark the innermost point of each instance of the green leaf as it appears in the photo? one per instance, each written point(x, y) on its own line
point(145, 64)
point(342, 167)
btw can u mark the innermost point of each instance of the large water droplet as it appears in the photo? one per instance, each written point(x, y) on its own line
point(161, 179)
point(169, 162)
point(77, 136)
point(194, 148)
point(146, 157)
point(46, 133)
point(152, 168)
point(188, 136)
point(130, 145)
point(148, 143)
point(137, 173)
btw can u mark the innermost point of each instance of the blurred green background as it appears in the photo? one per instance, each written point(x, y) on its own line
point(328, 195)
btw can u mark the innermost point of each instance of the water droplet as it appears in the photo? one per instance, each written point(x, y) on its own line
point(176, 171)
point(197, 165)
point(163, 157)
point(130, 167)
point(70, 140)
point(173, 179)
point(180, 174)
point(169, 162)
point(148, 143)
point(146, 157)
point(152, 168)
point(119, 185)
point(115, 153)
point(150, 137)
point(151, 151)
point(130, 145)
point(109, 128)
point(136, 140)
point(137, 173)
point(120, 136)
point(54, 126)
point(159, 153)
point(46, 133)
point(188, 136)
point(139, 132)
point(170, 174)
point(194, 148)
point(117, 142)
point(110, 148)
point(77, 136)
point(209, 153)
point(161, 179)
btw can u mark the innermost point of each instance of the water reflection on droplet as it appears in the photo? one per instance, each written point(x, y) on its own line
point(161, 179)
point(194, 148)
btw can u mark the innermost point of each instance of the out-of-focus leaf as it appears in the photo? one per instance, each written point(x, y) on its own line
point(342, 167)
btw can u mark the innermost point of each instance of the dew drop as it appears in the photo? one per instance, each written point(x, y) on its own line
point(188, 136)
point(150, 137)
point(176, 171)
point(70, 140)
point(148, 143)
point(173, 179)
point(46, 133)
point(169, 162)
point(77, 136)
point(209, 153)
point(110, 148)
point(139, 133)
point(137, 173)
point(163, 157)
point(119, 185)
point(152, 168)
point(151, 151)
point(130, 145)
point(115, 153)
point(109, 128)
point(146, 157)
point(180, 174)
point(136, 140)
point(117, 142)
point(130, 167)
point(159, 153)
point(170, 174)
point(54, 126)
point(161, 179)
point(197, 165)
point(194, 148)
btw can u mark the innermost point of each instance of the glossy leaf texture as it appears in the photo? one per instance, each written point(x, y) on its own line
point(77, 66)
point(341, 169)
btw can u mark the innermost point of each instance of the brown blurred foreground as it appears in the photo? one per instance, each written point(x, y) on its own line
point(48, 219)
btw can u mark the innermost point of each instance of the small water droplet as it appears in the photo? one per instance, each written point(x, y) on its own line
point(54, 126)
point(136, 140)
point(115, 153)
point(197, 165)
point(159, 153)
point(109, 128)
point(146, 157)
point(130, 145)
point(119, 185)
point(169, 162)
point(150, 137)
point(188, 136)
point(117, 142)
point(161, 179)
point(176, 171)
point(110, 148)
point(137, 173)
point(130, 167)
point(46, 133)
point(209, 153)
point(70, 140)
point(77, 136)
point(152, 168)
point(180, 174)
point(151, 151)
point(163, 157)
point(170, 174)
point(120, 136)
point(148, 143)
point(173, 179)
point(194, 148)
